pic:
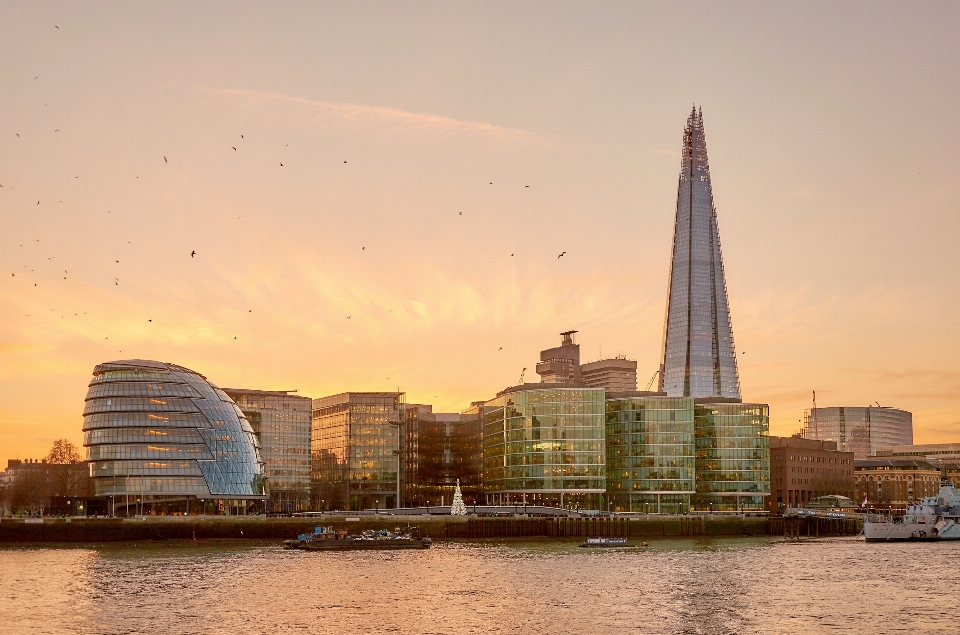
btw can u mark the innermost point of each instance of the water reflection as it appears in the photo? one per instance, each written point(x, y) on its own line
point(675, 586)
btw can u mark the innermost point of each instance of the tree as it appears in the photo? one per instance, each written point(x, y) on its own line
point(63, 453)
point(68, 473)
point(458, 508)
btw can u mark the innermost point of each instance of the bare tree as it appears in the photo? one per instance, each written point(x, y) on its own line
point(68, 473)
point(63, 453)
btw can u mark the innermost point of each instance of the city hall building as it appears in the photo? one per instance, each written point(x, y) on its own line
point(161, 438)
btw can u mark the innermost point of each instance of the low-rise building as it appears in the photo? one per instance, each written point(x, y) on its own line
point(804, 469)
point(894, 482)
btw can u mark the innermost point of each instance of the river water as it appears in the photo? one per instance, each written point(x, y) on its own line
point(675, 586)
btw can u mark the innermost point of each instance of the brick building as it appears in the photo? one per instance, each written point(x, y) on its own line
point(894, 482)
point(802, 469)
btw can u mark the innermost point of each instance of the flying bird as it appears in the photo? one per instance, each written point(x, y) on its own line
point(241, 136)
point(234, 149)
point(149, 320)
point(511, 255)
point(363, 248)
point(281, 165)
point(164, 159)
point(56, 27)
point(349, 316)
point(57, 130)
point(491, 182)
point(344, 161)
point(235, 337)
point(118, 262)
point(38, 202)
point(526, 186)
point(500, 349)
point(461, 213)
point(192, 254)
point(558, 257)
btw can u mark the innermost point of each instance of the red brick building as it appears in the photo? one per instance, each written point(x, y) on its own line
point(802, 469)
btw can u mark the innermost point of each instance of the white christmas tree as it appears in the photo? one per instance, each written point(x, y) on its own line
point(458, 508)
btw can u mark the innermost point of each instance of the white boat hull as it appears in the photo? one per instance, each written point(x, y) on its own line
point(881, 532)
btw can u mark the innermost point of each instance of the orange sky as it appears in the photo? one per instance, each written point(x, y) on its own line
point(831, 132)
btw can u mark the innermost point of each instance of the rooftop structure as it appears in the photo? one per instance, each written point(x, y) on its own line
point(561, 365)
point(699, 359)
point(929, 451)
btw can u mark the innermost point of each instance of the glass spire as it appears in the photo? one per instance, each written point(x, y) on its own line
point(699, 358)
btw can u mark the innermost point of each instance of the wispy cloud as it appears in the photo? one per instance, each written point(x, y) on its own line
point(359, 116)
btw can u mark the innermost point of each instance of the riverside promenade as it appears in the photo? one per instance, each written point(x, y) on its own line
point(80, 529)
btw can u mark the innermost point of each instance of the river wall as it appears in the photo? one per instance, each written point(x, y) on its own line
point(254, 527)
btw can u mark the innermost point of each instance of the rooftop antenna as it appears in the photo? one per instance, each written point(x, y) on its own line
point(816, 426)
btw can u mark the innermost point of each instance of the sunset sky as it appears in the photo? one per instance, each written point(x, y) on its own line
point(353, 178)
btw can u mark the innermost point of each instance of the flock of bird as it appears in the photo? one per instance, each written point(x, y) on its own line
point(193, 253)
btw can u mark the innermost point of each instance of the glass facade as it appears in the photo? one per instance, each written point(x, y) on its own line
point(281, 422)
point(545, 447)
point(355, 450)
point(860, 430)
point(651, 461)
point(733, 457)
point(153, 431)
point(439, 450)
point(699, 359)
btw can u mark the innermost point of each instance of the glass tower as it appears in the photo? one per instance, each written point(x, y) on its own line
point(699, 358)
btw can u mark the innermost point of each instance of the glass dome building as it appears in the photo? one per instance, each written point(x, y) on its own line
point(159, 436)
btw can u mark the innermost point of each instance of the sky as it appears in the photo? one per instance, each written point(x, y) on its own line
point(377, 192)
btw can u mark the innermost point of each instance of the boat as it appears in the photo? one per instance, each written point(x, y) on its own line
point(330, 539)
point(606, 542)
point(933, 518)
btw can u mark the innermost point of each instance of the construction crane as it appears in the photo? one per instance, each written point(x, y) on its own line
point(813, 413)
point(650, 383)
point(522, 372)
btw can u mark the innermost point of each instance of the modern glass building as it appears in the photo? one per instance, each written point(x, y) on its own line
point(733, 456)
point(356, 450)
point(545, 446)
point(699, 359)
point(161, 438)
point(651, 461)
point(281, 421)
point(860, 430)
point(440, 450)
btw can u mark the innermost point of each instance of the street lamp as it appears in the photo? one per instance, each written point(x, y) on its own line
point(398, 453)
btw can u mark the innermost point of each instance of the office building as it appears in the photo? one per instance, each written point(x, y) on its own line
point(440, 450)
point(804, 469)
point(281, 421)
point(161, 438)
point(733, 456)
point(651, 461)
point(356, 450)
point(699, 359)
point(545, 446)
point(860, 430)
point(613, 375)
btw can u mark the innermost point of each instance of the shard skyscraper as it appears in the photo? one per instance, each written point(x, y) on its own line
point(699, 358)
